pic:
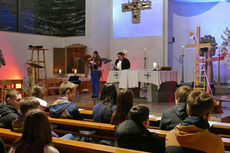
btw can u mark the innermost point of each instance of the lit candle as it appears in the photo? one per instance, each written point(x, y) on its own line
point(75, 71)
point(59, 71)
point(182, 50)
point(145, 51)
point(119, 65)
point(154, 65)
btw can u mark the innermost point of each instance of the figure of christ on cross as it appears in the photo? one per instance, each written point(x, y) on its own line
point(135, 7)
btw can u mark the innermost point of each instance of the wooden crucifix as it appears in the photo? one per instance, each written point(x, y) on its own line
point(199, 45)
point(209, 60)
point(136, 6)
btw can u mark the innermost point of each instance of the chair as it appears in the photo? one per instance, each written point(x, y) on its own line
point(53, 85)
point(5, 85)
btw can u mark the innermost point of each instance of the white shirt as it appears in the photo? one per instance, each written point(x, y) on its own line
point(42, 102)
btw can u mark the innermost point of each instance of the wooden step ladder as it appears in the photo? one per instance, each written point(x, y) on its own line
point(41, 64)
point(201, 79)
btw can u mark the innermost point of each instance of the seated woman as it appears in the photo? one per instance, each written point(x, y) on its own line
point(124, 104)
point(103, 110)
point(36, 135)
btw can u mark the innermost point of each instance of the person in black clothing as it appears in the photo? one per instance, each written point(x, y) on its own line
point(125, 64)
point(172, 117)
point(133, 134)
point(9, 111)
point(2, 146)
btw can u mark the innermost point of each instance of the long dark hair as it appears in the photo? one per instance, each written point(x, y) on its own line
point(97, 59)
point(124, 104)
point(108, 98)
point(36, 133)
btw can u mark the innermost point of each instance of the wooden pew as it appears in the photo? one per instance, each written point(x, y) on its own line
point(71, 146)
point(88, 116)
point(221, 128)
point(108, 130)
point(98, 130)
point(68, 146)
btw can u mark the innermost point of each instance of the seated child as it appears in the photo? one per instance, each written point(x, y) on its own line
point(28, 104)
point(173, 116)
point(192, 135)
point(36, 136)
point(63, 108)
point(39, 93)
point(133, 134)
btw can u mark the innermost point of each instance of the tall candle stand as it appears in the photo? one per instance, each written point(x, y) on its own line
point(182, 56)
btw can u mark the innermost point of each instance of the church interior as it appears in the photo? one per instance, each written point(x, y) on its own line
point(169, 44)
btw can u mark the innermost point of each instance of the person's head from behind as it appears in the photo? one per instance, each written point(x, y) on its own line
point(120, 56)
point(124, 104)
point(68, 90)
point(182, 93)
point(13, 97)
point(36, 133)
point(200, 104)
point(28, 104)
point(38, 91)
point(109, 94)
point(140, 114)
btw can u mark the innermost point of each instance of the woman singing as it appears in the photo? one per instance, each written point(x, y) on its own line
point(95, 67)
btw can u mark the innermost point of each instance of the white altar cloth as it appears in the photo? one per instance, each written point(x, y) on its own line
point(131, 78)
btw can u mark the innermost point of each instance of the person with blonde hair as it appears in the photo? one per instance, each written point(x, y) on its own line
point(63, 108)
point(39, 93)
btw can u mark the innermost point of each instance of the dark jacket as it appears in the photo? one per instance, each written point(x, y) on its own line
point(98, 117)
point(172, 117)
point(62, 108)
point(2, 146)
point(125, 63)
point(7, 115)
point(193, 136)
point(133, 136)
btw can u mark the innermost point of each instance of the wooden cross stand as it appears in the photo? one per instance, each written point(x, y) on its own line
point(198, 61)
point(201, 61)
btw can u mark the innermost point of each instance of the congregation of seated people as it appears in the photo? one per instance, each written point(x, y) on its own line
point(187, 121)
